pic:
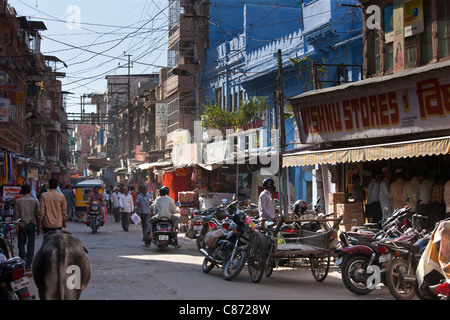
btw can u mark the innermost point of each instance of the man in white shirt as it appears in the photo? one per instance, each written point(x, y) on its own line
point(425, 188)
point(126, 208)
point(116, 204)
point(163, 206)
point(266, 207)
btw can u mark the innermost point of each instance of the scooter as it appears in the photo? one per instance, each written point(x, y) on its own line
point(163, 236)
point(14, 282)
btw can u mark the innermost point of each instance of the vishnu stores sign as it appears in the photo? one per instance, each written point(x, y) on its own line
point(423, 106)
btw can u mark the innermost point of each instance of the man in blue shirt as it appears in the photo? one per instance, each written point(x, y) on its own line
point(143, 202)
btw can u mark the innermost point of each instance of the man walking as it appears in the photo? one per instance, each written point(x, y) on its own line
point(115, 202)
point(27, 209)
point(52, 209)
point(126, 208)
point(70, 199)
point(143, 202)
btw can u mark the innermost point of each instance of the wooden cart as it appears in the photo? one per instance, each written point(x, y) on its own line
point(265, 252)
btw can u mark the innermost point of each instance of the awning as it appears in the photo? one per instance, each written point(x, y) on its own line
point(407, 149)
point(159, 164)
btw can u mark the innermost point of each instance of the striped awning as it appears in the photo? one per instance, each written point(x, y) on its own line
point(416, 148)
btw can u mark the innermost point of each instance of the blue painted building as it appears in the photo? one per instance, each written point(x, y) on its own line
point(241, 58)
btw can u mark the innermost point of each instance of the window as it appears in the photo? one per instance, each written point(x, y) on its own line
point(373, 51)
point(443, 16)
point(388, 57)
point(426, 44)
point(410, 52)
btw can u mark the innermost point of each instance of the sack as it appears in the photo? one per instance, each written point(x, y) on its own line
point(190, 233)
point(212, 237)
point(136, 219)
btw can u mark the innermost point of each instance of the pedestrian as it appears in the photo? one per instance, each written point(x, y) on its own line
point(70, 199)
point(425, 188)
point(115, 200)
point(396, 189)
point(411, 190)
point(447, 198)
point(373, 207)
point(126, 208)
point(143, 203)
point(134, 194)
point(358, 192)
point(52, 209)
point(266, 206)
point(27, 209)
point(387, 206)
point(43, 189)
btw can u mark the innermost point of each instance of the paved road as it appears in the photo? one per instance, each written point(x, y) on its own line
point(123, 270)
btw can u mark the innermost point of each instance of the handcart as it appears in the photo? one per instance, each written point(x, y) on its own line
point(266, 251)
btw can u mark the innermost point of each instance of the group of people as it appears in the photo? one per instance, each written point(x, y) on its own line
point(49, 213)
point(389, 191)
point(124, 203)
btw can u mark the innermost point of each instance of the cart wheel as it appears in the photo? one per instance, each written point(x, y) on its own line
point(255, 258)
point(320, 264)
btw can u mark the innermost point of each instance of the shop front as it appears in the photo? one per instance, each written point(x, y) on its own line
point(399, 122)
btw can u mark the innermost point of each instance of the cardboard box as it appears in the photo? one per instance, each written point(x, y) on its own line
point(334, 199)
point(352, 214)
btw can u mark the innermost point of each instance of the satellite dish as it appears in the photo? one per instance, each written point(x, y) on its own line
point(4, 78)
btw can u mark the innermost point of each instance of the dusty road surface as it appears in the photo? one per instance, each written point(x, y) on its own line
point(123, 270)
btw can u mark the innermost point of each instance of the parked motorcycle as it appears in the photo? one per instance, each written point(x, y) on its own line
point(94, 216)
point(14, 282)
point(204, 221)
point(227, 248)
point(163, 236)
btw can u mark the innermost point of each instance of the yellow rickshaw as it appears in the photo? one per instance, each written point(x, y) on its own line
point(83, 190)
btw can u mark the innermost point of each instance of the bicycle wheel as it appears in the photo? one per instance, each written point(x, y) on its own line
point(256, 259)
point(320, 265)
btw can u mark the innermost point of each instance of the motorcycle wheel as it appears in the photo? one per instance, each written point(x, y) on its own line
point(207, 265)
point(201, 238)
point(399, 287)
point(94, 225)
point(232, 268)
point(256, 259)
point(354, 275)
point(320, 264)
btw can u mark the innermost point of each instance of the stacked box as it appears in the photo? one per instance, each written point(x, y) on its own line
point(334, 199)
point(352, 214)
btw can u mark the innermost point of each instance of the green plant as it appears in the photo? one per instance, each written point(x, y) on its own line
point(214, 116)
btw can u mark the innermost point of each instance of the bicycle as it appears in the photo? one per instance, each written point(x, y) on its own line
point(7, 235)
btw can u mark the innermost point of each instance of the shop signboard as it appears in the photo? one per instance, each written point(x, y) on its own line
point(10, 191)
point(371, 112)
point(5, 109)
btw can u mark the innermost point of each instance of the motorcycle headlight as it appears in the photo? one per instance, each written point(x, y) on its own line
point(2, 257)
point(95, 208)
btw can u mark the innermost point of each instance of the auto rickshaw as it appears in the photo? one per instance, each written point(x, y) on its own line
point(83, 190)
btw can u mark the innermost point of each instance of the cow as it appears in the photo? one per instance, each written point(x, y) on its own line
point(61, 267)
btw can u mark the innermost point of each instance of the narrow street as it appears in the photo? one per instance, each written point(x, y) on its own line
point(123, 270)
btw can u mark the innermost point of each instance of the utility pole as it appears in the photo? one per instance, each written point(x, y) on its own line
point(279, 99)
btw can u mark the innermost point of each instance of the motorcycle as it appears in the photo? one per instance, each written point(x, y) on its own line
point(358, 264)
point(227, 248)
point(14, 282)
point(201, 222)
point(8, 209)
point(163, 236)
point(94, 216)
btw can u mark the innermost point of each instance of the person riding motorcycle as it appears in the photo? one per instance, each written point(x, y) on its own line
point(266, 206)
point(163, 206)
point(96, 196)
